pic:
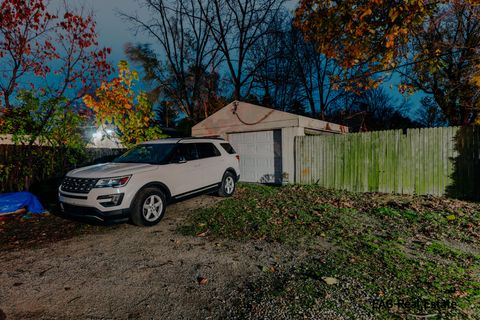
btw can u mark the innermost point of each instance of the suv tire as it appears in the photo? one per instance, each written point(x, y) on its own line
point(148, 208)
point(227, 187)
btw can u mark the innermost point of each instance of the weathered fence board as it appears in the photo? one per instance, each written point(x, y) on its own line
point(436, 161)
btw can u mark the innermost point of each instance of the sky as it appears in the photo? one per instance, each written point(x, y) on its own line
point(114, 32)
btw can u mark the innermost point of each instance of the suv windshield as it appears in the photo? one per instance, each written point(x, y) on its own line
point(157, 153)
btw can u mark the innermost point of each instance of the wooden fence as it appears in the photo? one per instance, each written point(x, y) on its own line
point(22, 167)
point(436, 161)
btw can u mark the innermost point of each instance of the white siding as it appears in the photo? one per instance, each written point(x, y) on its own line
point(260, 155)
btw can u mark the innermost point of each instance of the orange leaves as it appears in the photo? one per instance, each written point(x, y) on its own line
point(390, 41)
point(113, 98)
point(357, 32)
point(393, 14)
point(366, 13)
point(476, 80)
point(405, 88)
point(116, 104)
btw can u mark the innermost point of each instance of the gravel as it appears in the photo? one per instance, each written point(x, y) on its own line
point(134, 273)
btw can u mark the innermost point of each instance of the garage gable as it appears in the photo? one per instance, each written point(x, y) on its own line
point(244, 117)
point(241, 117)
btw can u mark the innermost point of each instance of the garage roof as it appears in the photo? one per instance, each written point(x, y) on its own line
point(241, 117)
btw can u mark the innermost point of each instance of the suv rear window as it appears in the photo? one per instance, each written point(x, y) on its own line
point(228, 148)
point(207, 150)
point(189, 151)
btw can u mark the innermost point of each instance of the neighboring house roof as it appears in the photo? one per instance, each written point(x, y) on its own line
point(241, 116)
point(104, 138)
point(96, 140)
point(9, 139)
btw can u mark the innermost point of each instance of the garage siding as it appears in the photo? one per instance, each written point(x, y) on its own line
point(260, 155)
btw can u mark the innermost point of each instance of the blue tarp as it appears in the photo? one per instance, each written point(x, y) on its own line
point(11, 202)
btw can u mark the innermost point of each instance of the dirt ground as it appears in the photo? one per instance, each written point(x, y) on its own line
point(134, 273)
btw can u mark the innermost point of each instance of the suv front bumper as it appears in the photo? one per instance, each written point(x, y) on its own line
point(90, 213)
point(94, 205)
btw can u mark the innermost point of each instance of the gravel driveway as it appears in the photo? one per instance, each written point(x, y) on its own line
point(133, 273)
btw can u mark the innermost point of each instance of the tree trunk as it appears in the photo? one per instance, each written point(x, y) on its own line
point(236, 93)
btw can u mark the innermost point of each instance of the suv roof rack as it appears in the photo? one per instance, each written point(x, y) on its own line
point(201, 138)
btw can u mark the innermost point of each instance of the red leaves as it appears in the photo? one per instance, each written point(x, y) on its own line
point(35, 42)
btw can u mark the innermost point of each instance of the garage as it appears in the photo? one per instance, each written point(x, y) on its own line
point(260, 155)
point(263, 137)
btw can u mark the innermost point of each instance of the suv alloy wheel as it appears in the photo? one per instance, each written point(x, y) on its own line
point(148, 207)
point(227, 188)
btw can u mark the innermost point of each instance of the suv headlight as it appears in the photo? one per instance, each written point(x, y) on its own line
point(112, 182)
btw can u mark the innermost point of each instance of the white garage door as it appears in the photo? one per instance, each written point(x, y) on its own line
point(260, 155)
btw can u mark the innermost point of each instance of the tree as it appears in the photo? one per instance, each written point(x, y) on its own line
point(58, 146)
point(352, 31)
point(54, 53)
point(372, 110)
point(292, 71)
point(62, 128)
point(318, 75)
point(183, 74)
point(196, 38)
point(447, 47)
point(433, 43)
point(167, 114)
point(236, 27)
point(275, 78)
point(430, 115)
point(382, 112)
point(116, 106)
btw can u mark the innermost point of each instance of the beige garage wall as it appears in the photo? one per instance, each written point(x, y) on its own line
point(238, 117)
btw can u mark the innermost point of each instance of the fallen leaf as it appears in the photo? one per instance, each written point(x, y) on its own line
point(460, 294)
point(330, 280)
point(451, 217)
point(268, 269)
point(202, 281)
point(202, 234)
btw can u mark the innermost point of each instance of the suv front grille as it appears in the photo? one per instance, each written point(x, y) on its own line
point(78, 185)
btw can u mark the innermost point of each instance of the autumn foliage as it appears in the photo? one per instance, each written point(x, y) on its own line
point(56, 52)
point(116, 105)
point(432, 44)
point(360, 31)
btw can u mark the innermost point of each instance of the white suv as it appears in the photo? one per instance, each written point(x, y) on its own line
point(140, 183)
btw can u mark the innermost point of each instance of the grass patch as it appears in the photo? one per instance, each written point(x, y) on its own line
point(394, 255)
